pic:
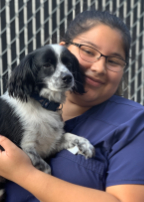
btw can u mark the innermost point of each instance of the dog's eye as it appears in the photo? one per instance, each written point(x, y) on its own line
point(47, 65)
point(48, 69)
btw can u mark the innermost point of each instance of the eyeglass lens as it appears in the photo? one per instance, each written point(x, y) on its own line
point(91, 55)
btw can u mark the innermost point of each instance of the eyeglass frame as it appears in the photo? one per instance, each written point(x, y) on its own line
point(101, 55)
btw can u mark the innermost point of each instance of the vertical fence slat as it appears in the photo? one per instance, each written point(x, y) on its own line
point(17, 32)
point(50, 20)
point(34, 24)
point(25, 28)
point(42, 22)
point(66, 13)
point(1, 71)
point(137, 51)
point(58, 20)
point(8, 37)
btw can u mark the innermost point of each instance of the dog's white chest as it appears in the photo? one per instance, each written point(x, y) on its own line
point(42, 128)
point(49, 132)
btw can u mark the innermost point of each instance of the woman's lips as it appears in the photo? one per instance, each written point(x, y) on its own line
point(94, 82)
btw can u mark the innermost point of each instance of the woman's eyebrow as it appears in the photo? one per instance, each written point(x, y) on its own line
point(117, 55)
point(90, 43)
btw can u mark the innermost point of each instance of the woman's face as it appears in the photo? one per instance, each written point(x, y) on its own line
point(101, 83)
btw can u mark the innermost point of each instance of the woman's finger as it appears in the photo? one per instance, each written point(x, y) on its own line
point(6, 144)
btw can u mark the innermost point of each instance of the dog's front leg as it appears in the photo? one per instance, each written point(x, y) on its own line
point(37, 161)
point(85, 148)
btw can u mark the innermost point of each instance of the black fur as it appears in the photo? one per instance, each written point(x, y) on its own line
point(49, 72)
point(10, 125)
point(68, 58)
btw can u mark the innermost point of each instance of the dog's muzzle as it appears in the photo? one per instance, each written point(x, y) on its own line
point(67, 79)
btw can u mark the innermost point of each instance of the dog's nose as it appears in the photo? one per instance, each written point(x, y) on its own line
point(67, 79)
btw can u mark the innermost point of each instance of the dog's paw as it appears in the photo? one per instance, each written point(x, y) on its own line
point(84, 147)
point(38, 162)
point(42, 165)
point(47, 170)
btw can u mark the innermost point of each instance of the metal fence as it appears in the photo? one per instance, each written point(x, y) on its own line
point(28, 24)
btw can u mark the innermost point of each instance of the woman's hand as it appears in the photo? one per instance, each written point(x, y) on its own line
point(14, 163)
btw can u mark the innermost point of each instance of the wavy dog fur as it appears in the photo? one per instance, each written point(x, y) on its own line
point(47, 73)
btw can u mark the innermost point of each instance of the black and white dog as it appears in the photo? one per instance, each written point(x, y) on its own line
point(29, 110)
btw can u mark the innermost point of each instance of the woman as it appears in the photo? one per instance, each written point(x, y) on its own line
point(114, 125)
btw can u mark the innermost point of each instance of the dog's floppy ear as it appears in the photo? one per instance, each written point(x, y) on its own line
point(22, 80)
point(78, 76)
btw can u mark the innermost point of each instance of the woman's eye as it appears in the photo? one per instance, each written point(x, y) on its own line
point(113, 62)
point(88, 52)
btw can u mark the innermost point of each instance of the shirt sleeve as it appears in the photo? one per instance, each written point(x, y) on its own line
point(126, 158)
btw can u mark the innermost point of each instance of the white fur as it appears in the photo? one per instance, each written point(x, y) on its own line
point(38, 124)
point(54, 90)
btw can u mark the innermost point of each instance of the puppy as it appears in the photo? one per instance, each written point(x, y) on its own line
point(30, 114)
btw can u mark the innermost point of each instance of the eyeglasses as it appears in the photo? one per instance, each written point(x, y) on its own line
point(91, 55)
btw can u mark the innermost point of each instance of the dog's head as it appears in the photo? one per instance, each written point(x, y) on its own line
point(49, 70)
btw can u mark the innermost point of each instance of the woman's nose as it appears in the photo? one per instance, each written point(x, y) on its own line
point(99, 65)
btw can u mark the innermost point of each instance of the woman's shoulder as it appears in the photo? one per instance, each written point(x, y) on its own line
point(113, 113)
point(121, 101)
point(118, 110)
point(122, 106)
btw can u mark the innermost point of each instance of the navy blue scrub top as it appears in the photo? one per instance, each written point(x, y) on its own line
point(116, 129)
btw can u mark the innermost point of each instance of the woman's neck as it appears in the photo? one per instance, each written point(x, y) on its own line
point(72, 109)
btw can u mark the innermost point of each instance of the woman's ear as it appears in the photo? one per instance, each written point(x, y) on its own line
point(62, 43)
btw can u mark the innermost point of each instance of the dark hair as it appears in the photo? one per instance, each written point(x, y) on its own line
point(89, 19)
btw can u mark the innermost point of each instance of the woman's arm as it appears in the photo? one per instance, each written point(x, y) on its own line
point(16, 166)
